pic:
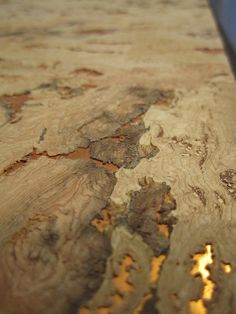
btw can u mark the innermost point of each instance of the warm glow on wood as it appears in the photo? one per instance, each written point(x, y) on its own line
point(103, 310)
point(102, 223)
point(156, 267)
point(200, 268)
point(227, 267)
point(142, 303)
point(117, 300)
point(197, 307)
point(84, 310)
point(121, 280)
point(163, 229)
point(202, 261)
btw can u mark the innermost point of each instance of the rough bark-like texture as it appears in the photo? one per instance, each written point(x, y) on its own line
point(117, 159)
point(148, 207)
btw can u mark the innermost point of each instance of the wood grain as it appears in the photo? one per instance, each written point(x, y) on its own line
point(117, 159)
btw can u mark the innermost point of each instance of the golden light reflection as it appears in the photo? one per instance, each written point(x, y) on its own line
point(163, 229)
point(103, 310)
point(102, 223)
point(121, 280)
point(140, 307)
point(203, 260)
point(226, 267)
point(197, 307)
point(116, 300)
point(84, 310)
point(156, 267)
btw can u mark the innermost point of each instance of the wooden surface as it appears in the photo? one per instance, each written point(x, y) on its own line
point(117, 159)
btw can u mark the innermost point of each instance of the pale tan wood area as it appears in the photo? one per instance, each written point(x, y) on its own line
point(117, 159)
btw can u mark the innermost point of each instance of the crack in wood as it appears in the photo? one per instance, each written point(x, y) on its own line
point(80, 153)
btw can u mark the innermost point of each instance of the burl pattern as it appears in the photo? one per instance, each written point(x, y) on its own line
point(117, 159)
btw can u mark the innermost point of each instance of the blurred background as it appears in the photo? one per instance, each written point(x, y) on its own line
point(225, 15)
